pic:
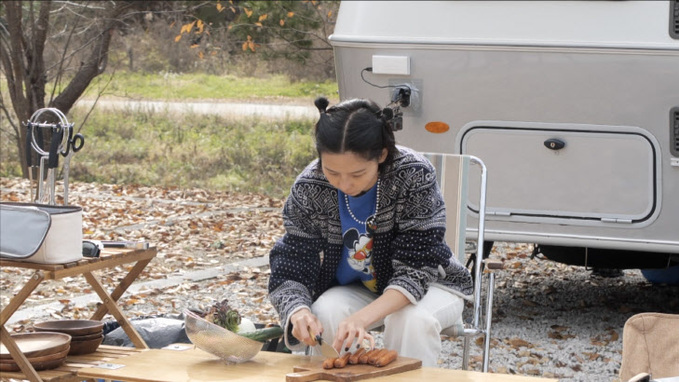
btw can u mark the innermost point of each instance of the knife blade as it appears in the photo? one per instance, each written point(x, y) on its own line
point(326, 349)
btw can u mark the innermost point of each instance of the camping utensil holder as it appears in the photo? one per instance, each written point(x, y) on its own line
point(62, 142)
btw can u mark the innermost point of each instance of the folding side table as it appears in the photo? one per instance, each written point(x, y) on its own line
point(108, 258)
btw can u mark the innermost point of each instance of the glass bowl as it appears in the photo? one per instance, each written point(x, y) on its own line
point(219, 341)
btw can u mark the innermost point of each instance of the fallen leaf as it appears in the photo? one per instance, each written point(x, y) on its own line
point(517, 342)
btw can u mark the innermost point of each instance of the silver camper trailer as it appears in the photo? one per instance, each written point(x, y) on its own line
point(572, 105)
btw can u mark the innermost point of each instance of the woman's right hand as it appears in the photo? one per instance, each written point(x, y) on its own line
point(305, 326)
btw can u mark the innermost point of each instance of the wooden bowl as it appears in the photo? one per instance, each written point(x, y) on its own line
point(45, 362)
point(72, 327)
point(87, 337)
point(85, 347)
point(37, 344)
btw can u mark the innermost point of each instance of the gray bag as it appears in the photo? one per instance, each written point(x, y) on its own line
point(40, 233)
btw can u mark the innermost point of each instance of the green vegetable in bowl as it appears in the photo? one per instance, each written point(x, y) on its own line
point(221, 314)
point(263, 335)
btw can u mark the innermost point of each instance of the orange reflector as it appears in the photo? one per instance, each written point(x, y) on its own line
point(437, 127)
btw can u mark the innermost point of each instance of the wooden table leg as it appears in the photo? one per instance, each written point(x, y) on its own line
point(20, 297)
point(113, 308)
point(6, 337)
point(121, 288)
point(18, 356)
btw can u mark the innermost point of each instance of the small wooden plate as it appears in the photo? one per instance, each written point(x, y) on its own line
point(72, 327)
point(51, 364)
point(42, 358)
point(37, 344)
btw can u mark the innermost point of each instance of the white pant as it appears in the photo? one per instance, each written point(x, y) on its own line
point(413, 331)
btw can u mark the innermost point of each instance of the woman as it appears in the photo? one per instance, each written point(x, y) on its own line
point(364, 243)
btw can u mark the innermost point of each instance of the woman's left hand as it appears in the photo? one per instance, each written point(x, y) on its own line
point(352, 330)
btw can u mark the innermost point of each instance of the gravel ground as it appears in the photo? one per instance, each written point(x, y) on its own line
point(550, 319)
point(560, 321)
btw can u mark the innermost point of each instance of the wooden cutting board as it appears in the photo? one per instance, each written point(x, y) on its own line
point(315, 371)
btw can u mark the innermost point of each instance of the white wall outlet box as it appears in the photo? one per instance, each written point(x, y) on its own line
point(398, 65)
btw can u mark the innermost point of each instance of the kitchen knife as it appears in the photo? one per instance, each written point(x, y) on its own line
point(125, 244)
point(326, 349)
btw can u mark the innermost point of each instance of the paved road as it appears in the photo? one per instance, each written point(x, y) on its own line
point(237, 109)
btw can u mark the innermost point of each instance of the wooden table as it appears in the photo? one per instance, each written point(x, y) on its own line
point(69, 370)
point(161, 365)
point(108, 258)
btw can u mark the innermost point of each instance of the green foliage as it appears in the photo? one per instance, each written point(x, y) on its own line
point(205, 151)
point(171, 86)
point(9, 156)
point(136, 146)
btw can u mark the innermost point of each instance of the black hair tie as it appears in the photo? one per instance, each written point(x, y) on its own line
point(321, 104)
point(387, 114)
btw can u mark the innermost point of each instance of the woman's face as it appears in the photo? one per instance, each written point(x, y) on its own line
point(351, 173)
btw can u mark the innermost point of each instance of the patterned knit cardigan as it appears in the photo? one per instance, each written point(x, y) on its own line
point(409, 252)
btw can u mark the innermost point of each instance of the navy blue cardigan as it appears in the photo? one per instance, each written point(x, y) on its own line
point(409, 251)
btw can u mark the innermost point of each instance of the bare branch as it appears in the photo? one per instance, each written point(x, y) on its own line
point(110, 78)
point(68, 5)
point(61, 62)
point(95, 63)
point(6, 112)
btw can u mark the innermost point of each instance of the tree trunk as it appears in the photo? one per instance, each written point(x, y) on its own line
point(24, 67)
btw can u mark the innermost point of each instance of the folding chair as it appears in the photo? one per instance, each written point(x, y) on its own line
point(455, 179)
point(650, 347)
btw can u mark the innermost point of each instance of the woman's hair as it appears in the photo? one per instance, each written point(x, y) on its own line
point(359, 126)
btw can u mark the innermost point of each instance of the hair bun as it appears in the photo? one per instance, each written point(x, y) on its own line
point(387, 114)
point(322, 104)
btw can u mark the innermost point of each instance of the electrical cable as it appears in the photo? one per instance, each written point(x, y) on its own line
point(394, 102)
point(370, 69)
